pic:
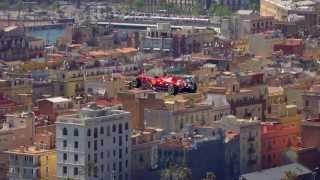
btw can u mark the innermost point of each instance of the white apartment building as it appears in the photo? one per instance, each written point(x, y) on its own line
point(94, 144)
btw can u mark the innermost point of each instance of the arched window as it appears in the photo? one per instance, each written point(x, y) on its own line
point(76, 132)
point(64, 131)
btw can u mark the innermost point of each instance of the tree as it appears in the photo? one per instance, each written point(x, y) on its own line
point(254, 5)
point(19, 7)
point(289, 175)
point(55, 6)
point(210, 176)
point(184, 173)
point(219, 10)
point(196, 9)
point(173, 172)
point(138, 4)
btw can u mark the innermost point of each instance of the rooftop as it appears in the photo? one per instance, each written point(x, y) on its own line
point(31, 150)
point(57, 100)
point(92, 112)
point(275, 90)
point(277, 172)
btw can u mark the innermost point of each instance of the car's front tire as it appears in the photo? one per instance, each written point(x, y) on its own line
point(194, 88)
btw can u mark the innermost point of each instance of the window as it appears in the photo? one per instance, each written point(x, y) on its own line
point(114, 140)
point(306, 103)
point(120, 140)
point(126, 126)
point(101, 142)
point(65, 157)
point(76, 132)
point(120, 166)
point(102, 168)
point(108, 130)
point(65, 143)
point(95, 171)
point(64, 170)
point(127, 138)
point(126, 150)
point(89, 144)
point(120, 129)
point(126, 163)
point(95, 132)
point(120, 153)
point(114, 153)
point(89, 132)
point(95, 157)
point(95, 144)
point(75, 171)
point(64, 131)
point(89, 157)
point(76, 157)
point(76, 144)
point(101, 130)
point(101, 155)
point(114, 128)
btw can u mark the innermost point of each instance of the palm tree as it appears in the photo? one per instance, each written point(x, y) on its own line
point(289, 175)
point(168, 173)
point(184, 173)
point(173, 172)
point(210, 176)
point(19, 7)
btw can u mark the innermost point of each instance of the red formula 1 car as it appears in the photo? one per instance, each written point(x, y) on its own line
point(172, 84)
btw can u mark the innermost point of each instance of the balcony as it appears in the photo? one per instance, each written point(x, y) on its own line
point(251, 139)
point(251, 150)
point(252, 162)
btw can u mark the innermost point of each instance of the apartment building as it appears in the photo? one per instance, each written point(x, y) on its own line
point(32, 163)
point(95, 143)
point(246, 93)
point(275, 139)
point(250, 141)
point(311, 99)
point(54, 106)
point(158, 38)
point(199, 148)
point(145, 152)
point(15, 44)
point(17, 130)
point(136, 101)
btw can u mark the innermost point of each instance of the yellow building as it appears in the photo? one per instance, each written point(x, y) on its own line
point(32, 163)
point(276, 8)
point(276, 96)
point(286, 114)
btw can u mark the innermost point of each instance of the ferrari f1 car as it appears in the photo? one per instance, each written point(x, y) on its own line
point(172, 84)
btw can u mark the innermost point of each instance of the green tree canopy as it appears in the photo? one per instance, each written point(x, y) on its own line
point(138, 4)
point(289, 175)
point(210, 176)
point(174, 172)
point(219, 10)
point(196, 9)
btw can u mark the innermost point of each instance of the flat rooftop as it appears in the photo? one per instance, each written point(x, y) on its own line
point(31, 150)
point(277, 172)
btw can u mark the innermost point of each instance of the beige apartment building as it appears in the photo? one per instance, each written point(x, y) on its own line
point(16, 131)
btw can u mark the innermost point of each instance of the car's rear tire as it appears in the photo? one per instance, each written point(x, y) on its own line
point(136, 83)
point(173, 90)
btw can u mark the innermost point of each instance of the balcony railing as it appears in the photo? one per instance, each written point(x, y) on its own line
point(252, 162)
point(251, 139)
point(251, 150)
